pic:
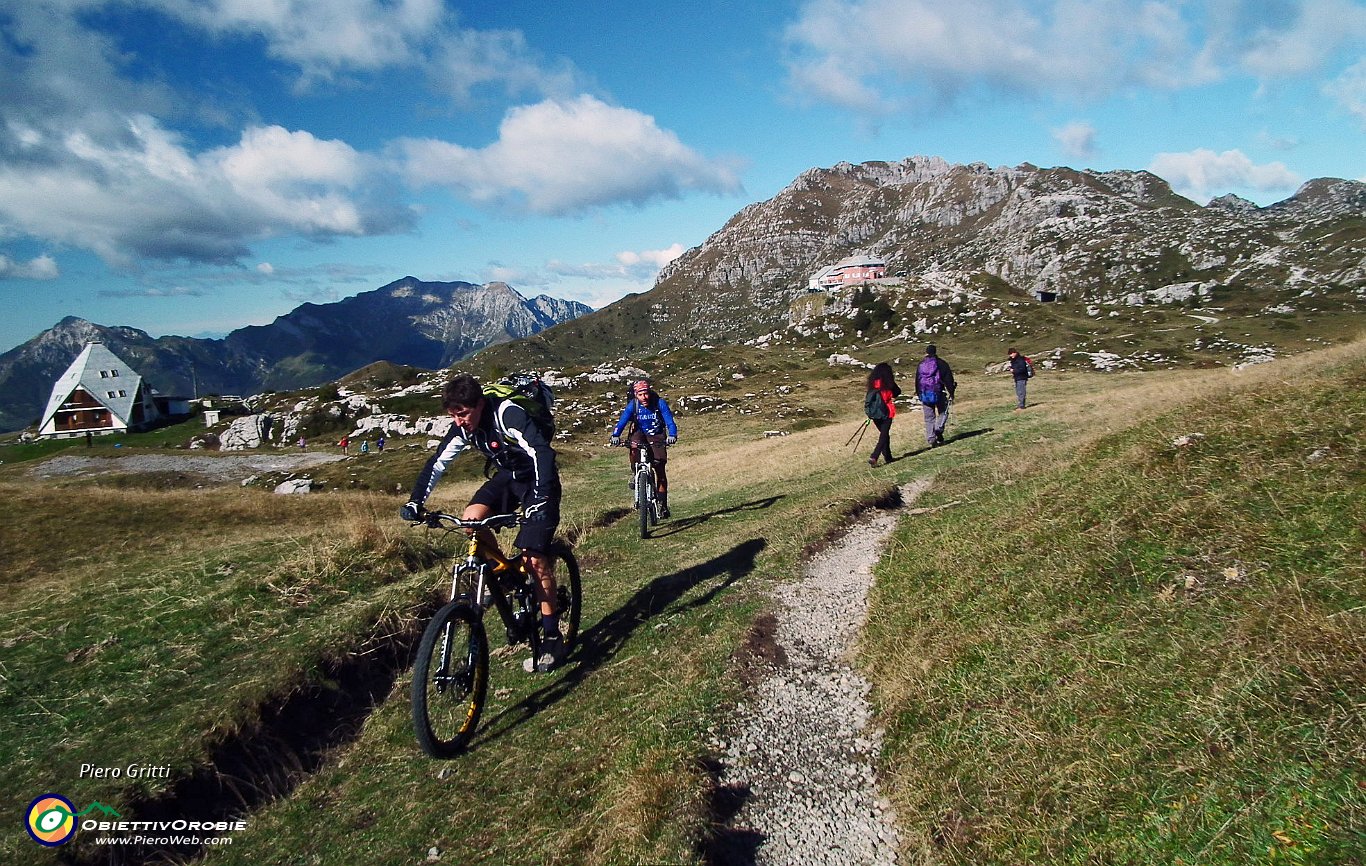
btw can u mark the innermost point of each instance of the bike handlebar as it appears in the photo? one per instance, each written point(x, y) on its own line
point(439, 519)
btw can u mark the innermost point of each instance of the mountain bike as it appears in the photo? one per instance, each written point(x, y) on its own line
point(451, 672)
point(645, 488)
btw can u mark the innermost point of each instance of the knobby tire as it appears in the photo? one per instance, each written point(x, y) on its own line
point(447, 702)
point(569, 591)
point(643, 505)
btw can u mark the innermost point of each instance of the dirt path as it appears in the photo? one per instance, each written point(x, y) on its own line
point(802, 749)
point(226, 467)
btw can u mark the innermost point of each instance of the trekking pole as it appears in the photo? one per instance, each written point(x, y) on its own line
point(858, 433)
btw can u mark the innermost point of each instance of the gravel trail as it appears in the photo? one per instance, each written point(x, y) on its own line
point(225, 467)
point(802, 744)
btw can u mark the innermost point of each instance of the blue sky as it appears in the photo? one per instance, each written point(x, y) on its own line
point(192, 166)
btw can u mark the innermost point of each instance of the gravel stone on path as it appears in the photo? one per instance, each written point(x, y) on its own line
point(802, 743)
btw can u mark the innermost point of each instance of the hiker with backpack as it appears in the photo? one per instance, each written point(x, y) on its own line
point(651, 422)
point(936, 388)
point(880, 407)
point(1021, 370)
point(504, 431)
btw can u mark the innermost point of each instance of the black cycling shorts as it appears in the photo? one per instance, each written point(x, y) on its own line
point(503, 493)
point(659, 449)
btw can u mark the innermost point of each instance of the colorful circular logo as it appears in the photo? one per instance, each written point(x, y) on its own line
point(51, 820)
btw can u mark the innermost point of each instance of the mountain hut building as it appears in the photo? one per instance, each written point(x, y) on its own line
point(99, 394)
point(848, 271)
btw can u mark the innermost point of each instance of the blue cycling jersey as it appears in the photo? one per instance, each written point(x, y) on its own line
point(650, 420)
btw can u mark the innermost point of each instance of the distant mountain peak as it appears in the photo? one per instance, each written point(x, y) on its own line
point(1231, 202)
point(408, 322)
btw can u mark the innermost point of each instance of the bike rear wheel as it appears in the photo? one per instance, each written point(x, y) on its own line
point(450, 679)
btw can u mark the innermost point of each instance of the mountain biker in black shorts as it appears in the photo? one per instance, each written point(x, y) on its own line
point(527, 476)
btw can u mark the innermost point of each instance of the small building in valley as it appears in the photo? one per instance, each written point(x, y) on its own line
point(99, 393)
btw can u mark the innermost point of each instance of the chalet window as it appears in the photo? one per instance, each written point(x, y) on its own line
point(114, 373)
point(104, 374)
point(123, 393)
point(110, 393)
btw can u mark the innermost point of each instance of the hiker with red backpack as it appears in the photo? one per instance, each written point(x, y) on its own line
point(1021, 370)
point(879, 404)
point(935, 386)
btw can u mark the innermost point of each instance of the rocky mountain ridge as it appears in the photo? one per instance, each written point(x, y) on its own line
point(1085, 237)
point(408, 321)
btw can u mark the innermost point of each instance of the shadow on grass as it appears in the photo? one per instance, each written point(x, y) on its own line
point(725, 845)
point(682, 524)
point(601, 643)
point(602, 521)
point(957, 437)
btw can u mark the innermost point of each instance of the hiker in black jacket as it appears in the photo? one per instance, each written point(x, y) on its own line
point(1020, 370)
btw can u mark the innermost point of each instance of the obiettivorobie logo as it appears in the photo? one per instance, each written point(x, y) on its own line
point(52, 819)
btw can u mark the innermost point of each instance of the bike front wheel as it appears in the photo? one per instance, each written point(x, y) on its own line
point(568, 592)
point(450, 679)
point(643, 509)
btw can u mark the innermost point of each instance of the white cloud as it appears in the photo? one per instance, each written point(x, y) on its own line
point(877, 56)
point(1349, 89)
point(143, 193)
point(324, 38)
point(650, 258)
point(869, 54)
point(265, 268)
point(1292, 38)
point(1077, 139)
point(1203, 174)
point(562, 157)
point(42, 267)
point(514, 275)
point(321, 35)
point(636, 267)
point(174, 292)
point(1278, 142)
point(465, 60)
point(293, 179)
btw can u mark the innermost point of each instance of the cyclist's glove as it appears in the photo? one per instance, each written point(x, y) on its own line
point(671, 440)
point(411, 512)
point(534, 514)
point(616, 440)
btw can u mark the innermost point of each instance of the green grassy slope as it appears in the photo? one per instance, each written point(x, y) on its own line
point(1056, 688)
point(1145, 652)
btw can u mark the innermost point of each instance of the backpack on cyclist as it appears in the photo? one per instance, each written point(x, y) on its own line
point(927, 381)
point(533, 395)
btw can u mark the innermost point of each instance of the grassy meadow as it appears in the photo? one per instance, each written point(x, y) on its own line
point(1095, 646)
